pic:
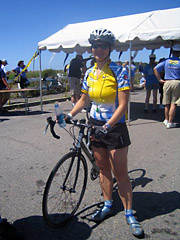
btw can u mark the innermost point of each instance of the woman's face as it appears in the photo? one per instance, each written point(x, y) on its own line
point(100, 50)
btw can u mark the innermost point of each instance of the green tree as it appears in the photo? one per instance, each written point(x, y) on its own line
point(48, 73)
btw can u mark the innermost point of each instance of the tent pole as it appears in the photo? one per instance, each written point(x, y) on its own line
point(130, 53)
point(40, 83)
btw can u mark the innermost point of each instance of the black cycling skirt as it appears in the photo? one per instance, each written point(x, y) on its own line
point(117, 137)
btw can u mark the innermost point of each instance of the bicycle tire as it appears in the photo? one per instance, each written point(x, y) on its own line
point(59, 202)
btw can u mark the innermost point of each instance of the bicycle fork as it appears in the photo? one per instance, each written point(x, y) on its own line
point(73, 161)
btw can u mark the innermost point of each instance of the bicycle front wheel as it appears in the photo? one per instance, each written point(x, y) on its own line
point(64, 190)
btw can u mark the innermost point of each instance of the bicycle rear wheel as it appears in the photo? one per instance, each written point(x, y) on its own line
point(64, 190)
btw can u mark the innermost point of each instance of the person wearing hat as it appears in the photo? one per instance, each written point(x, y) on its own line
point(24, 82)
point(3, 66)
point(3, 86)
point(171, 88)
point(107, 85)
point(151, 83)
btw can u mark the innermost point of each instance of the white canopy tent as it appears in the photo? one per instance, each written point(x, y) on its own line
point(149, 30)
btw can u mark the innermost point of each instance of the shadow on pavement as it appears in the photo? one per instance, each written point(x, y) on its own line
point(33, 227)
point(137, 178)
point(147, 205)
point(150, 204)
point(137, 112)
point(4, 119)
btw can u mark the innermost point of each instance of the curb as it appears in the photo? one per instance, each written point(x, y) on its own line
point(36, 103)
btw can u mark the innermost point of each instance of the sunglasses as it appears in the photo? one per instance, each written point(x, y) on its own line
point(102, 46)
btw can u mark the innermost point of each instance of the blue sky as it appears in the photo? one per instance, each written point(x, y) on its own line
point(24, 24)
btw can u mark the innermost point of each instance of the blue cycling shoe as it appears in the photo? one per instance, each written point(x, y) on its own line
point(101, 214)
point(135, 226)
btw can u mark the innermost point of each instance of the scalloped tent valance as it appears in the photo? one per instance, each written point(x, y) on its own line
point(149, 30)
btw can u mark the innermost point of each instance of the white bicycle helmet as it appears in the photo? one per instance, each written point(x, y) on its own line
point(103, 35)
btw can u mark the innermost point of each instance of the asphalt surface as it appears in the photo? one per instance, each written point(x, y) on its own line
point(28, 156)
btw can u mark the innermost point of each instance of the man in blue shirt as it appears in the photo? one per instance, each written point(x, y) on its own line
point(171, 88)
point(151, 83)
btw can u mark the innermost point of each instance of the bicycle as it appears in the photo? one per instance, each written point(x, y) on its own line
point(66, 184)
point(67, 181)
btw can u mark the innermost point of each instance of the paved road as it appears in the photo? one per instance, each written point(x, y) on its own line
point(27, 157)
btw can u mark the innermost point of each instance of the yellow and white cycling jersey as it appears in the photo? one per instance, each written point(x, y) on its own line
point(104, 88)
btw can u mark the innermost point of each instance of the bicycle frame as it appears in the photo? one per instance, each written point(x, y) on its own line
point(90, 157)
point(86, 149)
point(79, 146)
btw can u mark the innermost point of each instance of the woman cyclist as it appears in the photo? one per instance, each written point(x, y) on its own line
point(108, 87)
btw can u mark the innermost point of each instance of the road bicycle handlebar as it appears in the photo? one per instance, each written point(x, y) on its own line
point(51, 123)
point(79, 123)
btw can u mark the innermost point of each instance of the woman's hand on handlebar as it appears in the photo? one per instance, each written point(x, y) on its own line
point(68, 118)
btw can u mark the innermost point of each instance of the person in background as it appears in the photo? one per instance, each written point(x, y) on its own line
point(24, 82)
point(171, 88)
point(151, 83)
point(119, 63)
point(84, 69)
point(142, 81)
point(74, 76)
point(3, 86)
point(108, 86)
point(161, 106)
point(3, 66)
point(140, 67)
point(126, 65)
